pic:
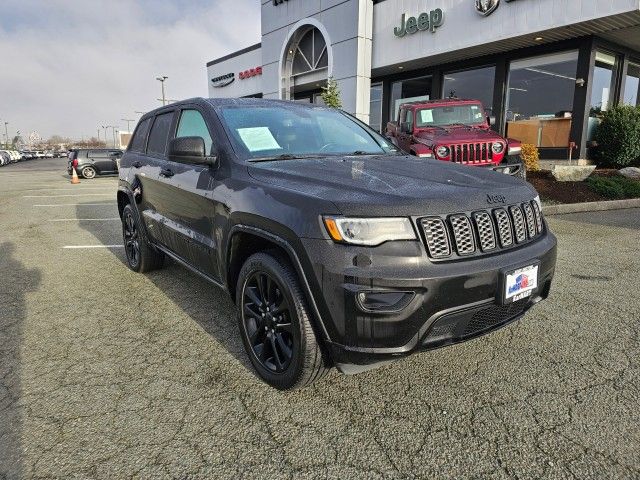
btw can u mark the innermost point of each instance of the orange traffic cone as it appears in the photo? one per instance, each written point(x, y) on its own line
point(74, 177)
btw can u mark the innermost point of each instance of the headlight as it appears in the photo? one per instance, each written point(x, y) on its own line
point(515, 150)
point(497, 147)
point(442, 151)
point(369, 231)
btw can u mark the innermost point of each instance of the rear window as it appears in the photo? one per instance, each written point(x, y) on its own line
point(140, 136)
point(73, 155)
point(159, 134)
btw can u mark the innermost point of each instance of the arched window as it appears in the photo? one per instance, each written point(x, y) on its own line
point(310, 53)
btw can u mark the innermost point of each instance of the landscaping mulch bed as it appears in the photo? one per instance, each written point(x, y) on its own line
point(552, 191)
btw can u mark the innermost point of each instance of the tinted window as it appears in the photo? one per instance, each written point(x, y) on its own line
point(140, 136)
point(193, 125)
point(159, 134)
point(97, 153)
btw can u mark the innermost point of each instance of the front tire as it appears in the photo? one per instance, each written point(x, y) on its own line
point(88, 172)
point(141, 257)
point(275, 323)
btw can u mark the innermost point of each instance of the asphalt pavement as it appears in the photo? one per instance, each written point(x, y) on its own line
point(105, 373)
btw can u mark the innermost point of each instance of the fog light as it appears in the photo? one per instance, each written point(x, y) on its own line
point(384, 301)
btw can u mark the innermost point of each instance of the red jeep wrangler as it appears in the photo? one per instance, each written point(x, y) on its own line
point(455, 130)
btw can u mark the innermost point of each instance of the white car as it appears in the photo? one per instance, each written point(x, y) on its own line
point(4, 158)
point(48, 154)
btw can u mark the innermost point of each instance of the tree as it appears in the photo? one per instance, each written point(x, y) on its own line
point(331, 94)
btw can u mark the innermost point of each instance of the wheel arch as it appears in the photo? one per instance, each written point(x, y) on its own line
point(245, 240)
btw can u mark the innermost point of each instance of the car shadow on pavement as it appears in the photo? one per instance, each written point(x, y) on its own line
point(208, 305)
point(16, 282)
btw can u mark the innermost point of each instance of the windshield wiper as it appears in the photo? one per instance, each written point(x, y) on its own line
point(284, 156)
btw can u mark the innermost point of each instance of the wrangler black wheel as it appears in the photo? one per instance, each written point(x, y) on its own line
point(275, 324)
point(141, 257)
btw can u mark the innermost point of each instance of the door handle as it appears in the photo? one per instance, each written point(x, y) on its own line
point(136, 164)
point(166, 172)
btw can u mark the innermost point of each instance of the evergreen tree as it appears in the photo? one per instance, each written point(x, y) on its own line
point(331, 94)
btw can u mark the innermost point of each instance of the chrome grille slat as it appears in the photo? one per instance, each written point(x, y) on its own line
point(462, 234)
point(435, 233)
point(531, 221)
point(518, 223)
point(486, 232)
point(504, 227)
point(538, 214)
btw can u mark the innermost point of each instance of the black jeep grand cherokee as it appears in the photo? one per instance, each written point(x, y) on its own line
point(338, 249)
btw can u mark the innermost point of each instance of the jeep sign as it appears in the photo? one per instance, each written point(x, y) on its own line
point(424, 21)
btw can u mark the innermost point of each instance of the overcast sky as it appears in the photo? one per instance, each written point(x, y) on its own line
point(71, 65)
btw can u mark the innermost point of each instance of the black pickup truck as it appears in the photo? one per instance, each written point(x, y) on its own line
point(338, 249)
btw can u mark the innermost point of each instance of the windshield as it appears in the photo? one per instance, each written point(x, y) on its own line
point(293, 131)
point(470, 114)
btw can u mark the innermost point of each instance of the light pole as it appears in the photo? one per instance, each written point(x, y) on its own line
point(105, 134)
point(128, 120)
point(6, 135)
point(162, 80)
point(98, 134)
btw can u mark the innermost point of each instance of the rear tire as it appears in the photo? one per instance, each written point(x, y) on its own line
point(275, 323)
point(88, 172)
point(141, 257)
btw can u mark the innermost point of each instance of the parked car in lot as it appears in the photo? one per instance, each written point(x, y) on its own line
point(92, 162)
point(337, 249)
point(455, 130)
point(5, 159)
point(13, 155)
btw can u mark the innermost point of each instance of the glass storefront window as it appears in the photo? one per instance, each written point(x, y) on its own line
point(540, 99)
point(403, 91)
point(632, 85)
point(375, 107)
point(602, 87)
point(476, 84)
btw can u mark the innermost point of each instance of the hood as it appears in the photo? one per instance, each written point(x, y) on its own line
point(389, 185)
point(456, 134)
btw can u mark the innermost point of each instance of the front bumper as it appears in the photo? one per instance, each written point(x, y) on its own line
point(447, 302)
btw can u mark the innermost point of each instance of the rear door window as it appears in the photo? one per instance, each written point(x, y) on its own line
point(159, 134)
point(140, 136)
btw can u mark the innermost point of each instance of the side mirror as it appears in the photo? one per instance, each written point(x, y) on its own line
point(190, 150)
point(492, 120)
point(405, 127)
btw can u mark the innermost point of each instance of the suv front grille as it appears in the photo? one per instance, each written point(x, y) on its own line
point(481, 232)
point(479, 152)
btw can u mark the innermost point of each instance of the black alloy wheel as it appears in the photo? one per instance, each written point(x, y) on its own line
point(267, 322)
point(276, 324)
point(141, 256)
point(131, 239)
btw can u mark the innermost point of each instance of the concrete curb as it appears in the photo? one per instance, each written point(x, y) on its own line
point(590, 206)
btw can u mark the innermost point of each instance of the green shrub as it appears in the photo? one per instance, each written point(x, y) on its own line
point(614, 187)
point(618, 137)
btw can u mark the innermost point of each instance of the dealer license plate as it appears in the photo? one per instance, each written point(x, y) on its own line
point(520, 283)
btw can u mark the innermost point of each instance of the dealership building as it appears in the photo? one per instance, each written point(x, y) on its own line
point(546, 69)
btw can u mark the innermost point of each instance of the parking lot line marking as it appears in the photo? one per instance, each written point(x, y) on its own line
point(83, 219)
point(67, 195)
point(76, 204)
point(74, 247)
